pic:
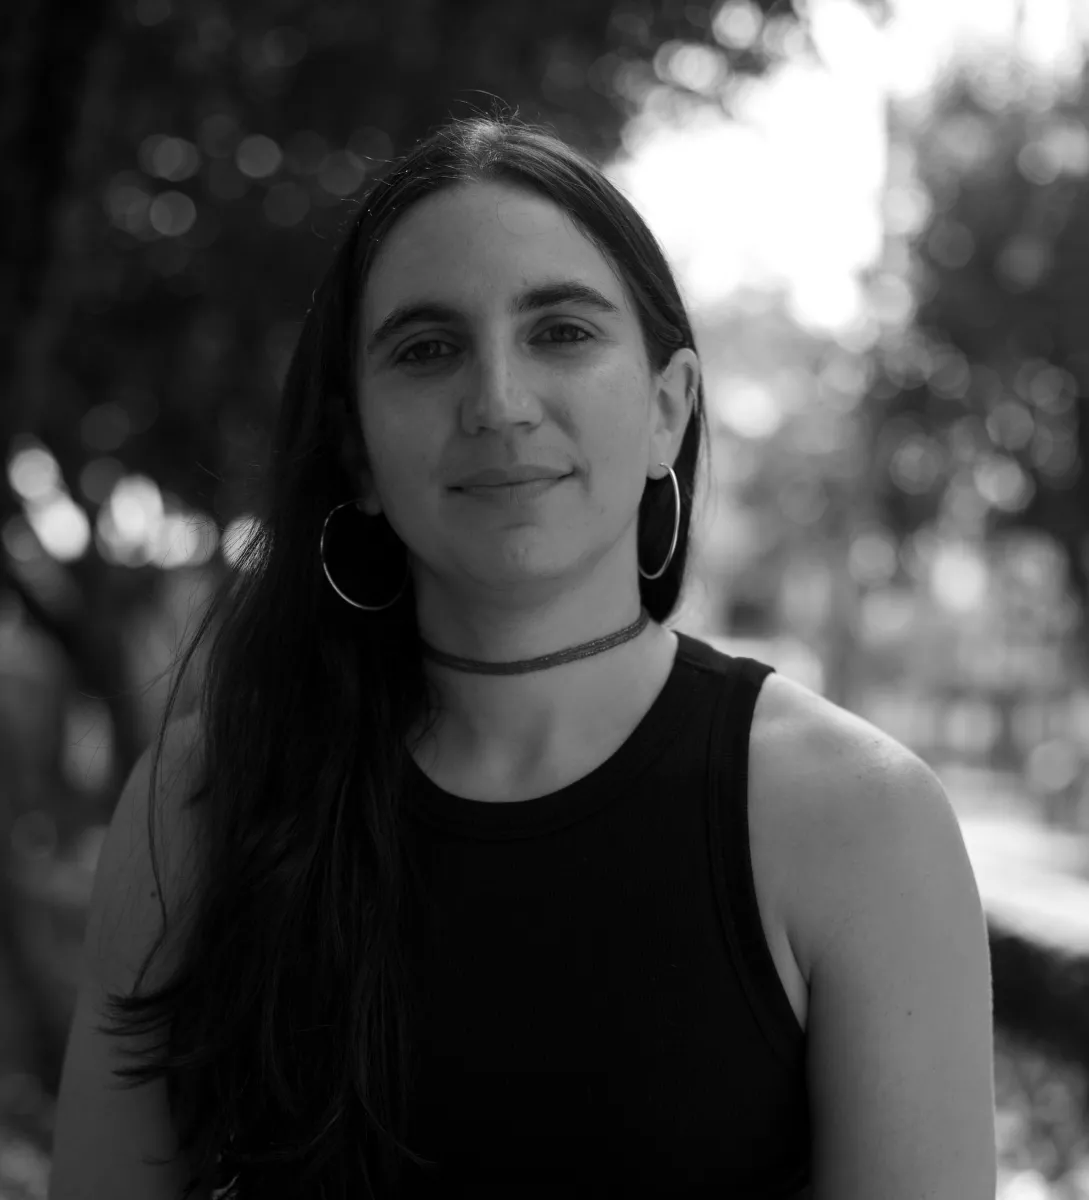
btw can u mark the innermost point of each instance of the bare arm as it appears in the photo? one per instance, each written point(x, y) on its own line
point(901, 1036)
point(103, 1132)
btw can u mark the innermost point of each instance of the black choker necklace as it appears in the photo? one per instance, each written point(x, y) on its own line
point(545, 660)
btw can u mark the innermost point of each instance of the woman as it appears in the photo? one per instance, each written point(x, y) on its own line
point(489, 877)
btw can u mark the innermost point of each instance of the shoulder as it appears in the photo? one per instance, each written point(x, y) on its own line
point(107, 1138)
point(882, 900)
point(149, 851)
point(178, 771)
point(165, 776)
point(183, 746)
point(882, 909)
point(832, 790)
point(180, 775)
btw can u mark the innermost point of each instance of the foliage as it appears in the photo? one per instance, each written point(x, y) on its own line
point(982, 407)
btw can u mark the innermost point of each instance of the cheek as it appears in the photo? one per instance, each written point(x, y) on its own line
point(615, 444)
point(398, 458)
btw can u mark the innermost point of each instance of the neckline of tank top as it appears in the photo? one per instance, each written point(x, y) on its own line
point(666, 714)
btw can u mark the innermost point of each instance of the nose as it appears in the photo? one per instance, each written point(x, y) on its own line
point(498, 395)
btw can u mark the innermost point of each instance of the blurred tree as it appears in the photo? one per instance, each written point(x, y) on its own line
point(983, 409)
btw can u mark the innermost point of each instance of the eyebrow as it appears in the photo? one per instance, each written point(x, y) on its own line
point(566, 291)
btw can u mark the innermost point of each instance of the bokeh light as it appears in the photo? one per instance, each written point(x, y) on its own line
point(135, 528)
point(34, 473)
point(172, 214)
point(236, 537)
point(341, 173)
point(61, 526)
point(170, 158)
point(258, 156)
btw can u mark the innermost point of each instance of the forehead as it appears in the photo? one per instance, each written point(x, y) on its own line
point(480, 237)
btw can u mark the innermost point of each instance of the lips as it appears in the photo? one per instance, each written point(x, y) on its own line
point(509, 476)
point(508, 483)
point(504, 494)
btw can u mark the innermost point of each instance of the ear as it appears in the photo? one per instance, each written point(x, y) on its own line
point(672, 404)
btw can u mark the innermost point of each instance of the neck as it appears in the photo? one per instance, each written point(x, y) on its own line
point(540, 662)
point(508, 722)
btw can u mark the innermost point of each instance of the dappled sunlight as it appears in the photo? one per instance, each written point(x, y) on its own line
point(236, 537)
point(60, 525)
point(134, 528)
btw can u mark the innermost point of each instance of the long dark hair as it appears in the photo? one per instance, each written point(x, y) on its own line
point(283, 1033)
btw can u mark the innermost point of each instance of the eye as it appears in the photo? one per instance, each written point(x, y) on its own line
point(586, 336)
point(426, 358)
point(415, 356)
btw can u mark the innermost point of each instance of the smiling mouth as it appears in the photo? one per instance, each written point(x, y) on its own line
point(512, 483)
point(513, 493)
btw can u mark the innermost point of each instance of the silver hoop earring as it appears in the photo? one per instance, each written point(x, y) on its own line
point(332, 582)
point(676, 525)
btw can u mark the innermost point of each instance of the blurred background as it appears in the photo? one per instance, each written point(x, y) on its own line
point(879, 215)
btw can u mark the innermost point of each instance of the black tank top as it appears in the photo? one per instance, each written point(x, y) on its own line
point(595, 1003)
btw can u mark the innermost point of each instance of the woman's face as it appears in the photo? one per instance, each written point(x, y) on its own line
point(494, 333)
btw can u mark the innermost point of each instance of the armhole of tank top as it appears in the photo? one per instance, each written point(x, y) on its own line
point(728, 828)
